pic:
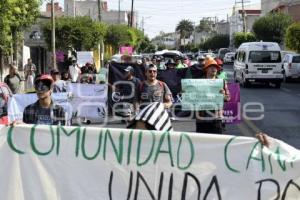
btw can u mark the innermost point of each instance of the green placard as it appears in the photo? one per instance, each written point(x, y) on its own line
point(202, 94)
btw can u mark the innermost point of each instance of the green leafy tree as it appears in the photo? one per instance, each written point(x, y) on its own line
point(272, 27)
point(205, 25)
point(241, 37)
point(79, 33)
point(215, 42)
point(15, 16)
point(120, 35)
point(146, 46)
point(185, 28)
point(292, 37)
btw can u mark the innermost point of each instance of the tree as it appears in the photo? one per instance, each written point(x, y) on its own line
point(272, 27)
point(15, 16)
point(79, 33)
point(292, 37)
point(119, 35)
point(215, 42)
point(205, 25)
point(146, 46)
point(241, 37)
point(185, 28)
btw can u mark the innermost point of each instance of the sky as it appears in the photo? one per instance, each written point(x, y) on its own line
point(164, 15)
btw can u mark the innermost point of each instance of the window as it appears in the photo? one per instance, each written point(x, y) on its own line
point(265, 57)
point(296, 59)
point(242, 56)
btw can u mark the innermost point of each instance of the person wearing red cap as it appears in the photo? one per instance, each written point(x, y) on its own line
point(211, 121)
point(43, 111)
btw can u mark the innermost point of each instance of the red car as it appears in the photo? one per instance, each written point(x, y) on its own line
point(5, 94)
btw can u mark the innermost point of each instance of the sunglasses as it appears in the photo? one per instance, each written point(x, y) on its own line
point(41, 87)
point(152, 71)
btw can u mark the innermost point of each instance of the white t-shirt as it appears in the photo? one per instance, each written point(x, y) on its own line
point(74, 72)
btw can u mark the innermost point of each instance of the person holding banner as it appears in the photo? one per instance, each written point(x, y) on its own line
point(211, 121)
point(43, 111)
point(153, 90)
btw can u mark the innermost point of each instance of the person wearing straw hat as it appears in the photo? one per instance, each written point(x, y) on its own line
point(211, 121)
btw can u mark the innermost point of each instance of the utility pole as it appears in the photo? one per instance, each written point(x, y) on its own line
point(143, 25)
point(53, 36)
point(131, 16)
point(244, 17)
point(101, 45)
point(119, 16)
point(243, 13)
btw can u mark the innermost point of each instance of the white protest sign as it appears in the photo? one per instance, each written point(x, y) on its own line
point(202, 94)
point(87, 101)
point(84, 57)
point(56, 162)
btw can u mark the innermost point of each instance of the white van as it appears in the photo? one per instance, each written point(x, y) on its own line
point(258, 62)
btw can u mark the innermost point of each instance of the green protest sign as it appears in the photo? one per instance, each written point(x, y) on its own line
point(202, 94)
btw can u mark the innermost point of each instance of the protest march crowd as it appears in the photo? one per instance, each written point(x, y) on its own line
point(144, 94)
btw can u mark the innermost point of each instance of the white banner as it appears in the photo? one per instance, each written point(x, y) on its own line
point(83, 100)
point(84, 57)
point(51, 163)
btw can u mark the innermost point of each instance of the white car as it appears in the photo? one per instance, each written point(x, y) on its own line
point(229, 57)
point(291, 66)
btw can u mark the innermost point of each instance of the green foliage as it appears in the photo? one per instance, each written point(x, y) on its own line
point(215, 42)
point(292, 37)
point(205, 25)
point(146, 46)
point(241, 37)
point(120, 35)
point(79, 32)
point(185, 28)
point(272, 27)
point(161, 47)
point(15, 15)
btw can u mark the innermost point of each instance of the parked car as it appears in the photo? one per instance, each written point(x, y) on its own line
point(222, 52)
point(5, 94)
point(291, 67)
point(229, 57)
point(209, 54)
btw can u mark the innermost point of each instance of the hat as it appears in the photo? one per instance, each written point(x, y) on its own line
point(170, 61)
point(211, 62)
point(129, 69)
point(44, 79)
point(54, 71)
point(155, 115)
point(219, 62)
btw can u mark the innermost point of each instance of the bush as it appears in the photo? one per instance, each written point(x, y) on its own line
point(292, 37)
point(241, 37)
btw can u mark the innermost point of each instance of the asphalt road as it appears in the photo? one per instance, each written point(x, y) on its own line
point(281, 113)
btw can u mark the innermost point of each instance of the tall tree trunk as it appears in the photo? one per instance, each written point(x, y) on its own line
point(15, 44)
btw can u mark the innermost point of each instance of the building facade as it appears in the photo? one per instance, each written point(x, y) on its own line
point(90, 8)
point(236, 22)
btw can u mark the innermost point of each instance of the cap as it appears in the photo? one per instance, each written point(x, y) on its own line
point(129, 69)
point(155, 115)
point(170, 61)
point(44, 77)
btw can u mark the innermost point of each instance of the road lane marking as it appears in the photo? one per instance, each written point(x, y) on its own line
point(285, 89)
